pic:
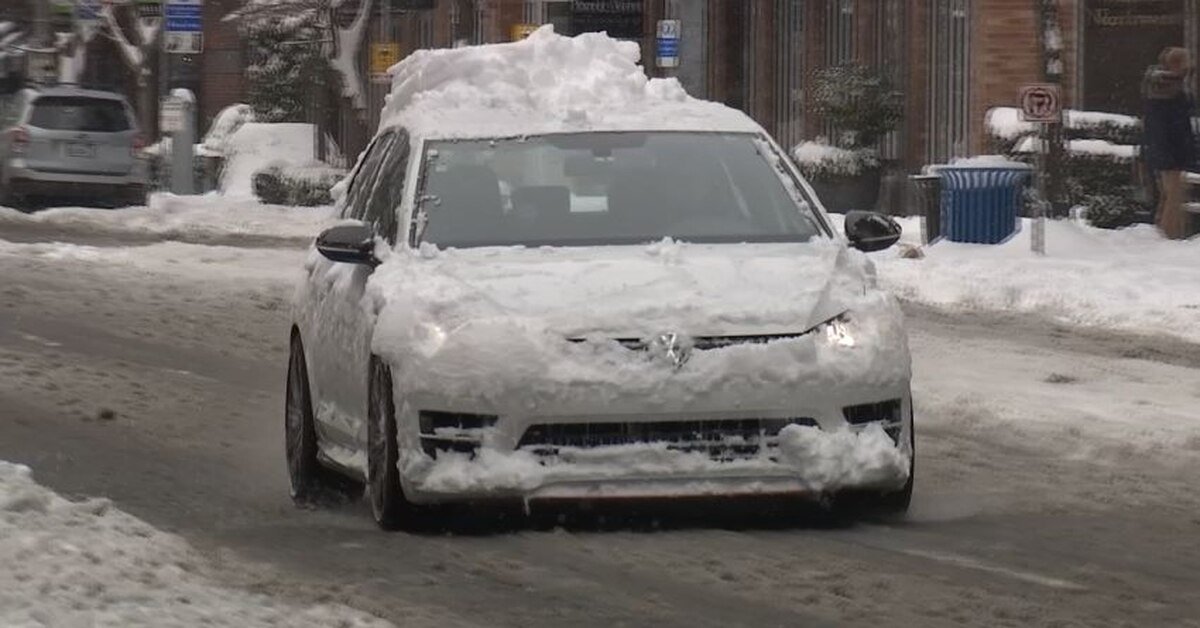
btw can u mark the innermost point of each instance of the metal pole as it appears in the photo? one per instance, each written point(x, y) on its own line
point(41, 23)
point(163, 64)
point(1038, 237)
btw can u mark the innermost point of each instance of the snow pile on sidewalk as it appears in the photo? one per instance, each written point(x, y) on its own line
point(545, 83)
point(1130, 279)
point(217, 265)
point(184, 217)
point(256, 146)
point(86, 563)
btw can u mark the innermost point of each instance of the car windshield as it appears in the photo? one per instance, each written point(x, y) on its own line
point(608, 188)
point(76, 113)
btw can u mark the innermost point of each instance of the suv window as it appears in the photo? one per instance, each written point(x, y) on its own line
point(364, 181)
point(389, 191)
point(79, 113)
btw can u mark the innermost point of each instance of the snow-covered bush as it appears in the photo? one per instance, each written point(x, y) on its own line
point(1099, 167)
point(818, 160)
point(859, 102)
point(1006, 130)
point(1112, 211)
point(305, 187)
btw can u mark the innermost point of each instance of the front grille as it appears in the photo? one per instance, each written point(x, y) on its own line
point(704, 343)
point(722, 439)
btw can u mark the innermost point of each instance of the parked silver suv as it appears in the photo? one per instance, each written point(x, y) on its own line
point(66, 142)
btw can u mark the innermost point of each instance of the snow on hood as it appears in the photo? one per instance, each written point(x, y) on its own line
point(630, 291)
point(545, 83)
point(487, 323)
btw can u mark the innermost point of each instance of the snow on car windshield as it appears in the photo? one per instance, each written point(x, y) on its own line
point(607, 188)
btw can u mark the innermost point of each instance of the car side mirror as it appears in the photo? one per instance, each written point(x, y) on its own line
point(871, 231)
point(350, 244)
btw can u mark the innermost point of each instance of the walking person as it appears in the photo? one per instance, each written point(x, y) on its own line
point(1170, 144)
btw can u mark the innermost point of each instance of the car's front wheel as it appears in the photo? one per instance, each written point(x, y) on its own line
point(312, 484)
point(391, 509)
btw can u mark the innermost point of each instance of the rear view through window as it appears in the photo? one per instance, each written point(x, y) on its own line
point(74, 113)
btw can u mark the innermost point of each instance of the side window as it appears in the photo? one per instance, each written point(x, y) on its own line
point(364, 182)
point(389, 189)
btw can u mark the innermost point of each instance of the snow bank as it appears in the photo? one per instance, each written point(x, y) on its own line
point(184, 217)
point(543, 84)
point(88, 564)
point(217, 265)
point(1130, 279)
point(255, 146)
point(224, 125)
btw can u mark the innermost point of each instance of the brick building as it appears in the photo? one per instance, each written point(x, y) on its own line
point(954, 59)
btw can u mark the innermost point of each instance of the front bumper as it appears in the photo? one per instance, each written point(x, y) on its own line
point(824, 454)
point(814, 392)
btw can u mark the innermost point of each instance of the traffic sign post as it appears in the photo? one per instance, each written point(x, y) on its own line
point(1041, 103)
point(668, 43)
point(184, 29)
point(383, 56)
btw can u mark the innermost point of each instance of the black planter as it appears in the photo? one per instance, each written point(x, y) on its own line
point(842, 193)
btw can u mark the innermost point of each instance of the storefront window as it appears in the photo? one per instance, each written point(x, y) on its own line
point(1120, 39)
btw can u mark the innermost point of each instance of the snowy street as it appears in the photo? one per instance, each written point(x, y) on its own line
point(1056, 464)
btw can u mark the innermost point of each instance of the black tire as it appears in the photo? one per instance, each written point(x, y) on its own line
point(312, 484)
point(391, 509)
point(8, 198)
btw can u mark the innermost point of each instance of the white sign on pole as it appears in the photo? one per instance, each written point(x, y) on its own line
point(171, 116)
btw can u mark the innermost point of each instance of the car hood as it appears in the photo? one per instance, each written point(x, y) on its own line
point(628, 291)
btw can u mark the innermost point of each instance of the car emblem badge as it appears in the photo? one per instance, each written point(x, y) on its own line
point(677, 349)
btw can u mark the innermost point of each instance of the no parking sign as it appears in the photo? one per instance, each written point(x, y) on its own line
point(1041, 102)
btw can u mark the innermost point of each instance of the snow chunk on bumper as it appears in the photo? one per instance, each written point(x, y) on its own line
point(817, 460)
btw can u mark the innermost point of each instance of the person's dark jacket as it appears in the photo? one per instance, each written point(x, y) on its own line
point(1169, 139)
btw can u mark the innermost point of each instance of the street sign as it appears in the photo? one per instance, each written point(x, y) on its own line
point(383, 56)
point(1041, 102)
point(521, 31)
point(184, 30)
point(668, 43)
point(171, 115)
point(87, 13)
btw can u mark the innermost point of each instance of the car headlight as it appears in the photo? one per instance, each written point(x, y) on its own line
point(838, 331)
point(428, 339)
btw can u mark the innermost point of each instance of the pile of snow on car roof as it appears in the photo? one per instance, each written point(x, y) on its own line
point(546, 83)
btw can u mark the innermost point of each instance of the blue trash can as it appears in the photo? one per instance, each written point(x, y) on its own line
point(981, 204)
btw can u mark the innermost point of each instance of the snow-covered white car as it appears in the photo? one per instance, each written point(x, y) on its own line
point(557, 279)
